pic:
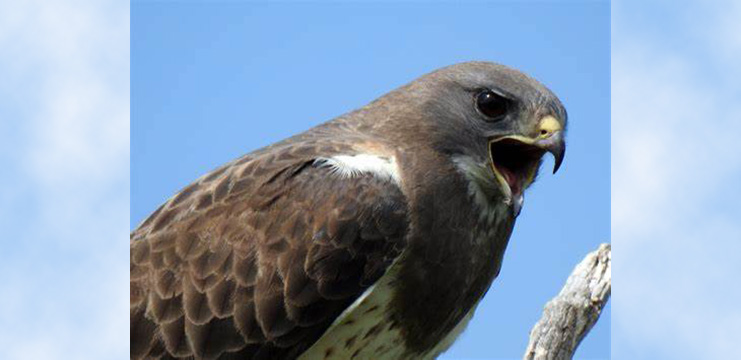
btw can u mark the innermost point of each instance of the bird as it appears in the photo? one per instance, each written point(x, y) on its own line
point(371, 236)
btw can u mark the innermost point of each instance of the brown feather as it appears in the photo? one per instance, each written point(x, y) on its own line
point(221, 298)
point(137, 272)
point(245, 269)
point(190, 246)
point(164, 310)
point(245, 319)
point(248, 266)
point(195, 303)
point(161, 242)
point(167, 284)
point(140, 252)
point(209, 262)
point(210, 340)
point(142, 334)
point(173, 335)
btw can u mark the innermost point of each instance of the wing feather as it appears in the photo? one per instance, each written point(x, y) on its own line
point(258, 258)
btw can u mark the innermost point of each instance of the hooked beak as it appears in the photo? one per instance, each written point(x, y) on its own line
point(515, 158)
point(555, 145)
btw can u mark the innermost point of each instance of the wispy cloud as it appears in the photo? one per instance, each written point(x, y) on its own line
point(64, 130)
point(674, 181)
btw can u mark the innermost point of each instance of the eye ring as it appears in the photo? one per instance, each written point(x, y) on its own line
point(492, 105)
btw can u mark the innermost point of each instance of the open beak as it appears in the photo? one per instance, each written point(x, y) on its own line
point(515, 159)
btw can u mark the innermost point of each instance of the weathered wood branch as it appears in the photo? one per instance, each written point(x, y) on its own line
point(568, 317)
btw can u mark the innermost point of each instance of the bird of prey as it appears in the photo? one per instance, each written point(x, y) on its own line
point(371, 236)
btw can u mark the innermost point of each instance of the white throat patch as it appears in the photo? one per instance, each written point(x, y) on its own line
point(353, 165)
point(478, 178)
point(480, 184)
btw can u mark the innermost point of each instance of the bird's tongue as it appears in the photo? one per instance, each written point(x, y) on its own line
point(512, 180)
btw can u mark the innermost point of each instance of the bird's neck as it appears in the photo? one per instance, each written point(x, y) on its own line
point(453, 254)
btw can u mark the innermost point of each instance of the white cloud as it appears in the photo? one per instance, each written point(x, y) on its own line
point(675, 232)
point(727, 46)
point(64, 202)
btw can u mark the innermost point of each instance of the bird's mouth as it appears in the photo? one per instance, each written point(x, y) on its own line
point(515, 159)
point(515, 162)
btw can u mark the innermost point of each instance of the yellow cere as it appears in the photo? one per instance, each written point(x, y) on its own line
point(547, 126)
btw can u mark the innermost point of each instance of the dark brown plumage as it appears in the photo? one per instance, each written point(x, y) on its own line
point(260, 267)
point(257, 259)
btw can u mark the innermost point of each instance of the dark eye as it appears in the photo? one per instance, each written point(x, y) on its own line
point(491, 104)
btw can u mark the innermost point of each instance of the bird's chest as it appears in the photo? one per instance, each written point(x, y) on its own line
point(365, 330)
point(423, 302)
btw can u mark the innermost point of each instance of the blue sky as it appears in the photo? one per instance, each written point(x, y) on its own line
point(675, 172)
point(210, 82)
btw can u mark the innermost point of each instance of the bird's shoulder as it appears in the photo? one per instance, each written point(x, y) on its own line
point(261, 255)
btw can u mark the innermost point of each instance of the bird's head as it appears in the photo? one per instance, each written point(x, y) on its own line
point(498, 121)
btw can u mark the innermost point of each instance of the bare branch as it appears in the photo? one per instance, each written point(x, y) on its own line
point(568, 317)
